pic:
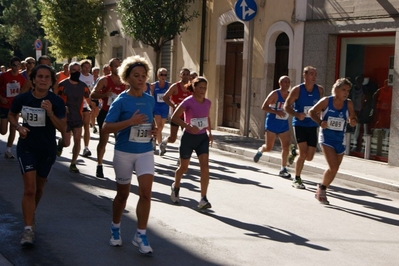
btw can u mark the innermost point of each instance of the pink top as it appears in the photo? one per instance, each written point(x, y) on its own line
point(196, 113)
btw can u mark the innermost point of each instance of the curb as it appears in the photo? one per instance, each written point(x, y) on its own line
point(273, 158)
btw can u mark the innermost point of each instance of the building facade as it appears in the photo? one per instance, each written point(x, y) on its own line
point(243, 60)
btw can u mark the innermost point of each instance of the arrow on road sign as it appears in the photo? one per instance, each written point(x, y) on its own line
point(246, 12)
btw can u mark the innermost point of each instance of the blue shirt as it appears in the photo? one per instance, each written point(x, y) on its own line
point(275, 123)
point(302, 105)
point(137, 138)
point(336, 123)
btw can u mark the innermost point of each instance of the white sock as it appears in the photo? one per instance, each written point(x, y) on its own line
point(141, 231)
point(118, 225)
point(29, 227)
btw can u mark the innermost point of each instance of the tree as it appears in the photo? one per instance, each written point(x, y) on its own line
point(72, 27)
point(20, 25)
point(155, 22)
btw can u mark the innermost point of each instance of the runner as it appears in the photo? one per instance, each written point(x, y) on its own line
point(301, 98)
point(161, 111)
point(195, 138)
point(333, 113)
point(42, 112)
point(88, 79)
point(276, 124)
point(107, 89)
point(73, 91)
point(131, 115)
point(11, 83)
point(176, 93)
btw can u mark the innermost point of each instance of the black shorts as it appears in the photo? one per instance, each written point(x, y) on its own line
point(4, 113)
point(190, 142)
point(306, 134)
point(39, 162)
point(95, 101)
point(101, 117)
point(74, 124)
point(175, 125)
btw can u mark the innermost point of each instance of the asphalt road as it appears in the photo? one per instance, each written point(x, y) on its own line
point(257, 218)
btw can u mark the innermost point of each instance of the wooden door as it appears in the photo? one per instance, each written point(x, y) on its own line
point(232, 85)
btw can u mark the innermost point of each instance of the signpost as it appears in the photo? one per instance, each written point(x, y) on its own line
point(246, 11)
point(38, 46)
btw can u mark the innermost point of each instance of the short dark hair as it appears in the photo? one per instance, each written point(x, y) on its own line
point(34, 73)
point(15, 59)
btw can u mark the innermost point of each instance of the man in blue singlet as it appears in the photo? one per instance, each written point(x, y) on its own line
point(299, 101)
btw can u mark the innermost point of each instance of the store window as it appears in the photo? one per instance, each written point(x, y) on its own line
point(368, 62)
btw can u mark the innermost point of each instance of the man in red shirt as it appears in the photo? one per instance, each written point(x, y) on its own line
point(176, 93)
point(10, 86)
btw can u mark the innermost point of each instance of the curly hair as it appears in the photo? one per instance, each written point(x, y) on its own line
point(129, 63)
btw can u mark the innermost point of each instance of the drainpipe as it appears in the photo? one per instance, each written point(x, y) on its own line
point(202, 49)
point(249, 79)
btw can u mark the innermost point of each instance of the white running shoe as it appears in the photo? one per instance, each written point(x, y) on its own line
point(28, 238)
point(204, 204)
point(174, 195)
point(8, 155)
point(162, 147)
point(141, 242)
point(116, 239)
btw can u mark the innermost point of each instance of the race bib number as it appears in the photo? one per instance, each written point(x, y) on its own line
point(306, 110)
point(12, 89)
point(285, 117)
point(112, 98)
point(336, 123)
point(201, 123)
point(140, 133)
point(35, 117)
point(160, 97)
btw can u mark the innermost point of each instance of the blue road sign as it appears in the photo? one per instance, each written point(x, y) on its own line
point(38, 44)
point(245, 9)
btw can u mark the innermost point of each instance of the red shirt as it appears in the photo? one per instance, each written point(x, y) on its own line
point(181, 95)
point(10, 86)
point(116, 90)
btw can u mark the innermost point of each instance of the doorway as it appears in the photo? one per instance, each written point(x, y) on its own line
point(232, 85)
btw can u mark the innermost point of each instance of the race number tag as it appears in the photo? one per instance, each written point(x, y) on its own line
point(160, 97)
point(112, 98)
point(140, 133)
point(306, 110)
point(201, 123)
point(35, 117)
point(12, 89)
point(285, 117)
point(336, 123)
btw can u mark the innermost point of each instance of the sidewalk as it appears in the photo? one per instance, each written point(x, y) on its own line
point(372, 173)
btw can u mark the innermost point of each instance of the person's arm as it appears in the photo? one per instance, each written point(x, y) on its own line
point(13, 119)
point(210, 131)
point(321, 91)
point(171, 91)
point(316, 110)
point(136, 119)
point(26, 87)
point(59, 123)
point(101, 84)
point(352, 120)
point(289, 103)
point(271, 99)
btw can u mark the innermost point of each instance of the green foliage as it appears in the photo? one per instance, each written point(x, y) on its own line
point(20, 26)
point(155, 22)
point(5, 56)
point(73, 27)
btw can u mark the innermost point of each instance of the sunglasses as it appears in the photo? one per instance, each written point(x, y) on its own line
point(16, 65)
point(31, 63)
point(163, 75)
